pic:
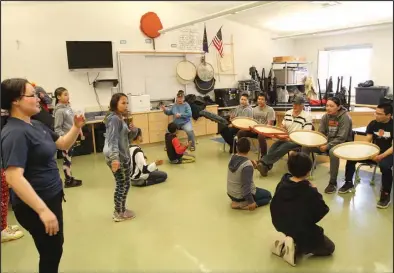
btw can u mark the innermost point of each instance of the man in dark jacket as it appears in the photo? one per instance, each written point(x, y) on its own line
point(296, 208)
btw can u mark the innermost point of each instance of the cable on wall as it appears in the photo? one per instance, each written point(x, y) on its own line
point(95, 91)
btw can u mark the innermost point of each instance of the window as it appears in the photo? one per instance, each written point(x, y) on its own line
point(352, 62)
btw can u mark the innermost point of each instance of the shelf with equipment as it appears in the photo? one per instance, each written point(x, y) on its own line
point(285, 79)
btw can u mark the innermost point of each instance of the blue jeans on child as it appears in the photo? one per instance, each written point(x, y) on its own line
point(188, 128)
point(262, 197)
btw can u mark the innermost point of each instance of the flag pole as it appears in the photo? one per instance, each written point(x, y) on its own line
point(215, 35)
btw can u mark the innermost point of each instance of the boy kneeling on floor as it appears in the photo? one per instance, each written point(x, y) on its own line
point(240, 186)
point(295, 209)
point(143, 174)
point(176, 152)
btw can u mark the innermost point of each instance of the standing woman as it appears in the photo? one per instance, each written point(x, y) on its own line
point(116, 151)
point(336, 125)
point(64, 116)
point(28, 156)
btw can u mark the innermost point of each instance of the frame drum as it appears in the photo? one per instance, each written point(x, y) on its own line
point(186, 72)
point(356, 150)
point(308, 138)
point(243, 123)
point(269, 131)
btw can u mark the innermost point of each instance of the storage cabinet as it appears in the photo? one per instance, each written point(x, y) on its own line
point(158, 123)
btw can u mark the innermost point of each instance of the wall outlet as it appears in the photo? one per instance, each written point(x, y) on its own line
point(174, 45)
point(122, 42)
point(148, 41)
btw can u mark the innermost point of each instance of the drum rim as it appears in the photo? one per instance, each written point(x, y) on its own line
point(311, 131)
point(183, 81)
point(186, 61)
point(357, 142)
point(243, 128)
point(269, 126)
point(206, 64)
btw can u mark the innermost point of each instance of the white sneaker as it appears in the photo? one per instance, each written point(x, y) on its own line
point(9, 234)
point(14, 227)
point(289, 251)
point(278, 245)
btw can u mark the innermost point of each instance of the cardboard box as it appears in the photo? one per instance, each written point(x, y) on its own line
point(282, 59)
point(294, 76)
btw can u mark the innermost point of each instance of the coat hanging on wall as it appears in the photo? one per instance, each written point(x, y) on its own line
point(150, 25)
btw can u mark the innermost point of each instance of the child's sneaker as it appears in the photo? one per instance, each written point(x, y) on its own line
point(9, 234)
point(129, 214)
point(278, 245)
point(289, 251)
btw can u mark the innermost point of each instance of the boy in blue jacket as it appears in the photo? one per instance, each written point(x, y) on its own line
point(182, 117)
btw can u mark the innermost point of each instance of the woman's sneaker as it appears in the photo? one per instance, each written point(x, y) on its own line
point(347, 187)
point(278, 245)
point(289, 251)
point(8, 234)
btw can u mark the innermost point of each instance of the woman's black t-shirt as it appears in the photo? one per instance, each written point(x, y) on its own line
point(32, 147)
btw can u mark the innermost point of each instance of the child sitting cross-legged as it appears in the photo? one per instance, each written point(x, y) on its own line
point(176, 152)
point(143, 174)
point(240, 186)
point(296, 208)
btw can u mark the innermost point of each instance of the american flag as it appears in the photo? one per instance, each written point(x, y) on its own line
point(218, 42)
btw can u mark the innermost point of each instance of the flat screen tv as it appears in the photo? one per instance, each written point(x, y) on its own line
point(89, 54)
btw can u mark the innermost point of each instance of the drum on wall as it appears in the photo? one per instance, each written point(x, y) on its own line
point(270, 131)
point(205, 71)
point(308, 138)
point(204, 87)
point(244, 123)
point(185, 72)
point(356, 150)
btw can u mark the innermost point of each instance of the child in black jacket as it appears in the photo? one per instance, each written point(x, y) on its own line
point(296, 208)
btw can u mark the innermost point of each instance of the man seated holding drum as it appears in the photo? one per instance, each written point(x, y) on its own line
point(380, 132)
point(263, 114)
point(242, 110)
point(182, 117)
point(336, 125)
point(294, 119)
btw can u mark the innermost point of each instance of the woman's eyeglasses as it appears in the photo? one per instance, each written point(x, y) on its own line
point(30, 96)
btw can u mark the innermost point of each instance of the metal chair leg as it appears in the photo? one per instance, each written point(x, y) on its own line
point(357, 176)
point(234, 143)
point(372, 182)
point(313, 166)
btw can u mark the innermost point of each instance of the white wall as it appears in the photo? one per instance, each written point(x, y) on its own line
point(381, 41)
point(34, 35)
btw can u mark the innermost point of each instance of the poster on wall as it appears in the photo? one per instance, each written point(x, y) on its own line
point(190, 39)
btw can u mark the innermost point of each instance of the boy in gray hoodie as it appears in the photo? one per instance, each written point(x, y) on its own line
point(336, 125)
point(240, 186)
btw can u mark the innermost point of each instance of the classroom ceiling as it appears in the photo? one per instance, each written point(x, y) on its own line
point(284, 18)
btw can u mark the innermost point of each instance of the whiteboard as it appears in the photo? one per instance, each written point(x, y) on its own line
point(132, 74)
point(153, 75)
point(160, 76)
